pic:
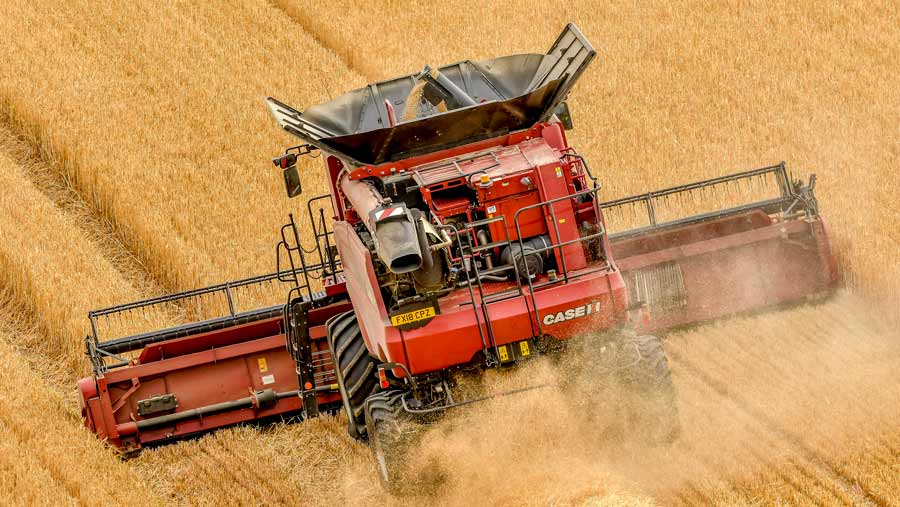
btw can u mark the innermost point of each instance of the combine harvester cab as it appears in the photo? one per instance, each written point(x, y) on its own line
point(461, 232)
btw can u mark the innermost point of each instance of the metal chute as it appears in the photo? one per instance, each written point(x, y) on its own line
point(485, 99)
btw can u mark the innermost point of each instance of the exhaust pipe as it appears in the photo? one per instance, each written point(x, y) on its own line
point(397, 244)
point(392, 226)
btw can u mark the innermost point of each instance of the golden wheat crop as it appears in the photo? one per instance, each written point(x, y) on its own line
point(52, 263)
point(133, 159)
point(156, 114)
point(876, 466)
point(785, 396)
point(47, 457)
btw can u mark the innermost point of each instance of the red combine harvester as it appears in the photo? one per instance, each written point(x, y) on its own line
point(466, 234)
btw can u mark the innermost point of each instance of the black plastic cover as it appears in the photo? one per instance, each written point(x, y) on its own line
point(511, 93)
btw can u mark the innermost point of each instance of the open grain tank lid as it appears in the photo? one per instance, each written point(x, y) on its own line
point(508, 94)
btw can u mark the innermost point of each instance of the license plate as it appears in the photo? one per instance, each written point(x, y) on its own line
point(413, 316)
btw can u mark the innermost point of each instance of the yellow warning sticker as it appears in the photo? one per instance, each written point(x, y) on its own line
point(263, 366)
point(413, 316)
point(558, 172)
point(504, 354)
point(523, 347)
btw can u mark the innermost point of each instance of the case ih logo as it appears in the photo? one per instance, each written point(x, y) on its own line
point(386, 213)
point(572, 313)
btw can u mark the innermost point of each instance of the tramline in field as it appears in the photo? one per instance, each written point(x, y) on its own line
point(461, 232)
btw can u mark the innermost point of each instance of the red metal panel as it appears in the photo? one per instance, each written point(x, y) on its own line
point(754, 265)
point(94, 417)
point(449, 206)
point(362, 285)
point(690, 234)
point(106, 416)
point(454, 333)
point(554, 184)
point(212, 339)
point(531, 222)
point(197, 358)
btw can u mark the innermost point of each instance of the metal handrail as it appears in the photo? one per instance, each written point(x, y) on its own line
point(789, 200)
point(321, 232)
point(188, 294)
point(456, 234)
point(481, 298)
point(559, 244)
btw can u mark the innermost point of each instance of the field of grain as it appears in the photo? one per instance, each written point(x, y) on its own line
point(134, 149)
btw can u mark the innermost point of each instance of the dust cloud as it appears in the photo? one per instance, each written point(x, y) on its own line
point(760, 397)
point(785, 407)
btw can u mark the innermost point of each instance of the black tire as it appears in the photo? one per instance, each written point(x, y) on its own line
point(391, 431)
point(354, 367)
point(624, 387)
point(654, 408)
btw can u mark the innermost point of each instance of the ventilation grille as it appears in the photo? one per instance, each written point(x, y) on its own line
point(660, 286)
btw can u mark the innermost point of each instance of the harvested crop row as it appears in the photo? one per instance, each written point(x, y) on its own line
point(849, 381)
point(156, 114)
point(726, 457)
point(817, 395)
point(280, 465)
point(876, 466)
point(46, 455)
point(25, 474)
point(54, 264)
point(682, 91)
point(55, 267)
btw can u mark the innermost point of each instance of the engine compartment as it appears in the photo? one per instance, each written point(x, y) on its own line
point(491, 216)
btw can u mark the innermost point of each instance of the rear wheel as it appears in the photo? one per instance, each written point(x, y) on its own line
point(624, 388)
point(391, 431)
point(354, 368)
point(653, 401)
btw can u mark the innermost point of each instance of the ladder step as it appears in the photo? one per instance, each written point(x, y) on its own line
point(489, 246)
point(502, 295)
point(485, 221)
point(493, 271)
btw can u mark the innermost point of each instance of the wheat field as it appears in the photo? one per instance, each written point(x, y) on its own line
point(134, 149)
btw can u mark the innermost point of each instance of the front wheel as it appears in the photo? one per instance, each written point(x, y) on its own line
point(390, 434)
point(354, 368)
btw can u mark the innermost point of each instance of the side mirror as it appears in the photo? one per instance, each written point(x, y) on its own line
point(562, 112)
point(292, 181)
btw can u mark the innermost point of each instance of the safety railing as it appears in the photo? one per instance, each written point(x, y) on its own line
point(727, 194)
point(483, 301)
point(219, 306)
point(487, 341)
point(558, 245)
